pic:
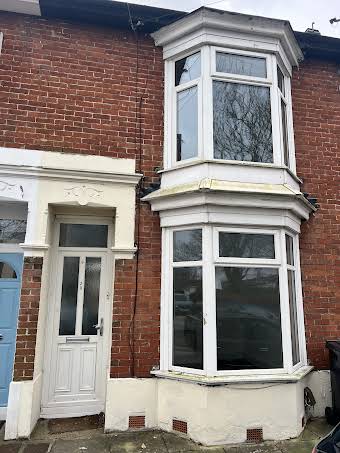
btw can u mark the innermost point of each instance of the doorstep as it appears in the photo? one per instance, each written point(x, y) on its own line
point(95, 441)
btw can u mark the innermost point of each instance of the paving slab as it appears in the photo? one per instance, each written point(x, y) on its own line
point(10, 448)
point(36, 447)
point(143, 442)
point(94, 445)
point(261, 448)
point(298, 447)
point(175, 443)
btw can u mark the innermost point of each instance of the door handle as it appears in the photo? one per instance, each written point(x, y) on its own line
point(100, 326)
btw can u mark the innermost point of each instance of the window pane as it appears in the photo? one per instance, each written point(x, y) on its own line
point(248, 318)
point(91, 295)
point(289, 250)
point(187, 124)
point(293, 317)
point(241, 245)
point(241, 64)
point(7, 271)
point(284, 133)
point(78, 235)
point(69, 296)
point(188, 245)
point(281, 81)
point(12, 231)
point(188, 318)
point(242, 122)
point(188, 68)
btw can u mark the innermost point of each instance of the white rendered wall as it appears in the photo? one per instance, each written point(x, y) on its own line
point(215, 415)
point(320, 384)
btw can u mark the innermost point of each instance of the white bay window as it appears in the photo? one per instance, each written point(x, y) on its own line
point(229, 105)
point(234, 302)
point(230, 203)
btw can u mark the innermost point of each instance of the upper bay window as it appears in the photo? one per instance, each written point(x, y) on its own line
point(230, 105)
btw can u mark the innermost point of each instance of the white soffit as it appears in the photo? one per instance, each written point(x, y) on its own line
point(261, 28)
point(21, 6)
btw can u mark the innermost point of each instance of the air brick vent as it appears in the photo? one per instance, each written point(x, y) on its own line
point(180, 426)
point(255, 435)
point(137, 421)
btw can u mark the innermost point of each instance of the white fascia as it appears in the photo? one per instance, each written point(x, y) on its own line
point(31, 7)
point(47, 164)
point(207, 26)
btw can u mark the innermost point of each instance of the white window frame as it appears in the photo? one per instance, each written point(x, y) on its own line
point(211, 259)
point(178, 89)
point(205, 105)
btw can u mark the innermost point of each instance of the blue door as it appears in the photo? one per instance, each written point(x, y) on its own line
point(10, 283)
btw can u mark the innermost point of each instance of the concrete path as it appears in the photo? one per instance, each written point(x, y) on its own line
point(95, 441)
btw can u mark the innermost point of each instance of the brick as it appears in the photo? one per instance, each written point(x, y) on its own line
point(316, 105)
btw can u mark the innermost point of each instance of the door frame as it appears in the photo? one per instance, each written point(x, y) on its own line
point(79, 410)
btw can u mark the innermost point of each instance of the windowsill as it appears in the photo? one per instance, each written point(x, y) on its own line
point(191, 162)
point(214, 381)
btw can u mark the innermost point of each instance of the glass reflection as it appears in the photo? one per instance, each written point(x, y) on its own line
point(91, 295)
point(188, 318)
point(187, 245)
point(241, 245)
point(188, 68)
point(241, 65)
point(12, 231)
point(242, 122)
point(69, 296)
point(187, 124)
point(248, 318)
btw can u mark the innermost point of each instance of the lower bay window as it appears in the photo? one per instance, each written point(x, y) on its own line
point(233, 301)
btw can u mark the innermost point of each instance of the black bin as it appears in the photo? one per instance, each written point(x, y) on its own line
point(333, 413)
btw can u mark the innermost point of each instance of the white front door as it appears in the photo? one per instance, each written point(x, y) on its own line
point(75, 379)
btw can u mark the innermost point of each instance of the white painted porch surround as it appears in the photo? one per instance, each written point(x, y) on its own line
point(50, 182)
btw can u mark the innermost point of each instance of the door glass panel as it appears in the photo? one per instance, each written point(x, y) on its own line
point(91, 295)
point(12, 231)
point(68, 309)
point(188, 318)
point(248, 318)
point(7, 271)
point(242, 245)
point(83, 235)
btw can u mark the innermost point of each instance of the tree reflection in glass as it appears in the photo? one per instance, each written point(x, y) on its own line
point(242, 122)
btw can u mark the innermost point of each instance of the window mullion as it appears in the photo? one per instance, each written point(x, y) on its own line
point(209, 304)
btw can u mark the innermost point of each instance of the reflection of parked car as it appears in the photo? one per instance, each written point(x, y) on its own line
point(330, 443)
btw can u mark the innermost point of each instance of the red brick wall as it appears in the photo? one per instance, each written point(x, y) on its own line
point(28, 319)
point(316, 103)
point(72, 88)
